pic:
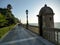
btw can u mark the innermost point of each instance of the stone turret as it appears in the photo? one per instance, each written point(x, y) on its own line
point(45, 18)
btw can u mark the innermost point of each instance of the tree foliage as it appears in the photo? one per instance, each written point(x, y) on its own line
point(9, 7)
point(6, 17)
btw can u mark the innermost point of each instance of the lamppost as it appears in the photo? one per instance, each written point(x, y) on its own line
point(27, 19)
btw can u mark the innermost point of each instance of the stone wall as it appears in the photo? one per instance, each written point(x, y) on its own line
point(52, 34)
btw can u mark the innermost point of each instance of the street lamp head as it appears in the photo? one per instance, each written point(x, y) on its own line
point(26, 11)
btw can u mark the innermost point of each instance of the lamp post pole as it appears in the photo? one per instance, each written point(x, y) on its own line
point(27, 19)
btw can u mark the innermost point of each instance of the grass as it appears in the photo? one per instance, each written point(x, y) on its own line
point(4, 30)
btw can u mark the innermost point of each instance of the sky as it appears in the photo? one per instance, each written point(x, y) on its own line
point(33, 7)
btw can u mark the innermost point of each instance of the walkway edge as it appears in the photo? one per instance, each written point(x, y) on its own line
point(46, 42)
point(6, 34)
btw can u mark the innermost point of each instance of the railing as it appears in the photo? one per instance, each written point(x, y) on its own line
point(52, 34)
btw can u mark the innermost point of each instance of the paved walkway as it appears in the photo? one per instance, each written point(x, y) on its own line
point(21, 36)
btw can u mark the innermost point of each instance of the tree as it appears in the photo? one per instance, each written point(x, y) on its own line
point(6, 17)
point(2, 21)
point(9, 7)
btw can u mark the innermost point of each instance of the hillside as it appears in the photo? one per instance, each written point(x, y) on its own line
point(6, 17)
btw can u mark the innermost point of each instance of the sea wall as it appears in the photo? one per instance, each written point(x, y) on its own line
point(33, 28)
point(51, 34)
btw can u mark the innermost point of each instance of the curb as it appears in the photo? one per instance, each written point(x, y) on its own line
point(6, 34)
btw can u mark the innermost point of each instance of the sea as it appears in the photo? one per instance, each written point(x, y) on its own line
point(56, 24)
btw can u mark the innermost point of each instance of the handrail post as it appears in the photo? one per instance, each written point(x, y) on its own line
point(57, 38)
